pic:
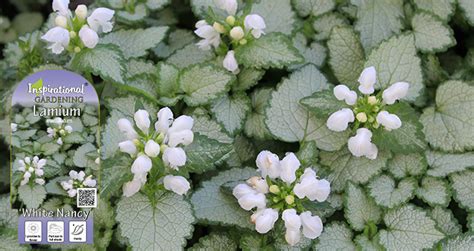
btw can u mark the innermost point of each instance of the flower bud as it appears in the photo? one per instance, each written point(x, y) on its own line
point(243, 41)
point(290, 199)
point(81, 12)
point(13, 127)
point(68, 128)
point(361, 117)
point(230, 63)
point(237, 33)
point(152, 149)
point(218, 27)
point(230, 20)
point(274, 189)
point(72, 34)
point(61, 21)
point(177, 184)
point(372, 100)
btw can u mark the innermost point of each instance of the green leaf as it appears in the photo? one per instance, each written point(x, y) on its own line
point(288, 121)
point(73, 138)
point(247, 78)
point(137, 16)
point(442, 8)
point(50, 148)
point(443, 164)
point(255, 123)
point(231, 111)
point(434, 191)
point(54, 186)
point(313, 7)
point(274, 50)
point(360, 209)
point(203, 83)
point(460, 242)
point(408, 138)
point(114, 173)
point(156, 4)
point(323, 103)
point(396, 60)
point(10, 243)
point(346, 56)
point(463, 188)
point(81, 158)
point(177, 39)
point(364, 243)
point(343, 166)
point(336, 236)
point(389, 194)
point(378, 20)
point(445, 221)
point(210, 128)
point(213, 206)
point(408, 228)
point(470, 219)
point(215, 241)
point(431, 35)
point(32, 196)
point(323, 25)
point(167, 75)
point(243, 151)
point(278, 15)
point(254, 242)
point(467, 8)
point(107, 61)
point(204, 153)
point(314, 53)
point(135, 43)
point(405, 165)
point(449, 125)
point(8, 216)
point(162, 227)
point(189, 55)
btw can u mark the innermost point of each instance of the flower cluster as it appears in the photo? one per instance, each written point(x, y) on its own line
point(32, 170)
point(368, 110)
point(57, 128)
point(146, 145)
point(283, 186)
point(78, 180)
point(75, 33)
point(235, 31)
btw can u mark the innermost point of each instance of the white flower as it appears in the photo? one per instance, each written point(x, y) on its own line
point(165, 119)
point(184, 137)
point(142, 120)
point(291, 218)
point(395, 92)
point(288, 167)
point(59, 141)
point(39, 172)
point(126, 127)
point(259, 184)
point(268, 164)
point(311, 187)
point(174, 157)
point(242, 190)
point(27, 175)
point(142, 164)
point(89, 182)
point(255, 24)
point(230, 63)
point(339, 121)
point(152, 148)
point(361, 145)
point(100, 20)
point(367, 80)
point(72, 192)
point(265, 220)
point(128, 147)
point(13, 127)
point(182, 123)
point(58, 39)
point(61, 21)
point(51, 132)
point(292, 236)
point(62, 7)
point(67, 185)
point(210, 36)
point(77, 176)
point(237, 33)
point(177, 184)
point(250, 201)
point(81, 11)
point(312, 225)
point(342, 92)
point(68, 128)
point(228, 5)
point(88, 37)
point(389, 121)
point(132, 187)
point(200, 23)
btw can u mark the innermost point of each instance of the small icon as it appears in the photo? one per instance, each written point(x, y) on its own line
point(32, 231)
point(55, 231)
point(77, 231)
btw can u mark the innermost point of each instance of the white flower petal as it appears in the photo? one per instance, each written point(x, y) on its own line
point(100, 20)
point(288, 166)
point(142, 120)
point(395, 92)
point(152, 149)
point(174, 157)
point(57, 38)
point(62, 7)
point(367, 80)
point(266, 219)
point(132, 187)
point(292, 237)
point(88, 37)
point(339, 121)
point(81, 11)
point(126, 127)
point(128, 147)
point(250, 201)
point(255, 23)
point(142, 164)
point(165, 119)
point(230, 6)
point(388, 120)
point(185, 138)
point(241, 190)
point(259, 184)
point(291, 219)
point(230, 63)
point(361, 145)
point(177, 184)
point(342, 92)
point(312, 225)
point(268, 164)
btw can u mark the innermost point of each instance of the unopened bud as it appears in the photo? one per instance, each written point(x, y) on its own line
point(274, 189)
point(243, 41)
point(237, 33)
point(218, 27)
point(81, 11)
point(136, 142)
point(230, 20)
point(372, 100)
point(61, 21)
point(290, 199)
point(72, 34)
point(361, 117)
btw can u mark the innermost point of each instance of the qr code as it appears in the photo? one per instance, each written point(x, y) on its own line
point(87, 197)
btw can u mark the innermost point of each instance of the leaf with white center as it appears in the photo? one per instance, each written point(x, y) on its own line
point(81, 158)
point(442, 8)
point(323, 103)
point(278, 15)
point(315, 53)
point(10, 242)
point(360, 209)
point(213, 206)
point(431, 35)
point(273, 50)
point(231, 111)
point(32, 196)
point(434, 191)
point(135, 43)
point(449, 125)
point(313, 7)
point(396, 60)
point(445, 221)
point(176, 40)
point(442, 164)
point(463, 188)
point(243, 151)
point(378, 20)
point(467, 8)
point(156, 4)
point(189, 55)
point(73, 138)
point(335, 236)
point(389, 194)
point(137, 16)
point(215, 241)
point(203, 83)
point(408, 228)
point(107, 61)
point(8, 216)
point(167, 77)
point(247, 78)
point(346, 56)
point(114, 173)
point(405, 165)
point(364, 243)
point(457, 243)
point(344, 166)
point(255, 123)
point(324, 24)
point(289, 121)
point(210, 128)
point(162, 227)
